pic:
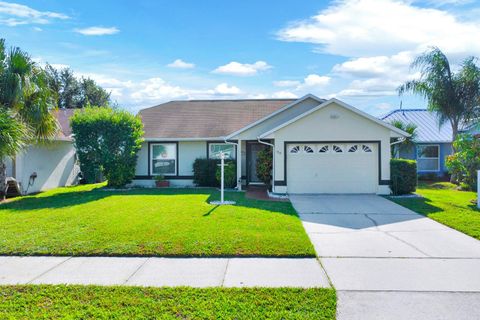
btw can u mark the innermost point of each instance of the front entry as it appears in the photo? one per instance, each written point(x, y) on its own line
point(253, 148)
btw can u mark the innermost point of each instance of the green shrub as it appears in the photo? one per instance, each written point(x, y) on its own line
point(229, 175)
point(107, 141)
point(205, 172)
point(403, 174)
point(265, 166)
point(465, 162)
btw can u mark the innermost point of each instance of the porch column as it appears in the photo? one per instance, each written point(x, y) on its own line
point(239, 165)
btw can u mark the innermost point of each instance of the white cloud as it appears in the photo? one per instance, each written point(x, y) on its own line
point(242, 69)
point(376, 76)
point(147, 92)
point(14, 14)
point(60, 66)
point(310, 82)
point(357, 28)
point(97, 31)
point(314, 80)
point(286, 83)
point(284, 95)
point(180, 64)
point(156, 89)
point(225, 89)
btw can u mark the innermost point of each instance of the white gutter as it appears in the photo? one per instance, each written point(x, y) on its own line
point(400, 140)
point(273, 160)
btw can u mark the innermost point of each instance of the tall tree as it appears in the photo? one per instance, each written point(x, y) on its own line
point(453, 96)
point(74, 93)
point(92, 94)
point(26, 105)
point(70, 94)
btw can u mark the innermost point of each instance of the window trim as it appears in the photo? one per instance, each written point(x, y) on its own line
point(150, 158)
point(428, 158)
point(209, 143)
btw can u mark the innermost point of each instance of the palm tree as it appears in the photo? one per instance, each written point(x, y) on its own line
point(26, 106)
point(409, 128)
point(453, 96)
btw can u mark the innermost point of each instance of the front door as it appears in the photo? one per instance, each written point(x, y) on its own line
point(252, 153)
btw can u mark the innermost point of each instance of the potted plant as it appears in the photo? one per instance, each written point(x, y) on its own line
point(160, 181)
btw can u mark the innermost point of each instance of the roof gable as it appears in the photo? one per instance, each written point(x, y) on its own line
point(264, 119)
point(344, 105)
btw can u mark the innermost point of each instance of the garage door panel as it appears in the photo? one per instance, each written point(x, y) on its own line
point(332, 172)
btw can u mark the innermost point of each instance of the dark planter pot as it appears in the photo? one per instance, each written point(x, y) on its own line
point(162, 184)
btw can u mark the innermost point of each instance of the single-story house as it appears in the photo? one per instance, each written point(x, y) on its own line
point(433, 142)
point(320, 146)
point(46, 166)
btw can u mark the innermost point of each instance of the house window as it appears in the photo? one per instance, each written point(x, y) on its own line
point(307, 149)
point(337, 149)
point(366, 148)
point(353, 148)
point(428, 157)
point(215, 149)
point(164, 159)
point(323, 149)
point(295, 149)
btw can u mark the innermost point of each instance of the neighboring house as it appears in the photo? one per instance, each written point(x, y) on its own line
point(433, 142)
point(320, 146)
point(45, 166)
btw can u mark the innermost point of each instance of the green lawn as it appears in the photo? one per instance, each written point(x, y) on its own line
point(86, 220)
point(441, 202)
point(91, 302)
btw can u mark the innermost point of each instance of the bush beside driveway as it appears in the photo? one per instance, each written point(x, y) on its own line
point(88, 220)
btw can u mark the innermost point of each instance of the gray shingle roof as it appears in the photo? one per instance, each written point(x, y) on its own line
point(428, 129)
point(205, 118)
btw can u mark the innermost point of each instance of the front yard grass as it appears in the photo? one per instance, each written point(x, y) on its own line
point(86, 220)
point(443, 203)
point(93, 302)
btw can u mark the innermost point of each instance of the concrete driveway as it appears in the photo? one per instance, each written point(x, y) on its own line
point(388, 262)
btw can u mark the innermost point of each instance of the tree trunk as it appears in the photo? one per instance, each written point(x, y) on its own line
point(3, 180)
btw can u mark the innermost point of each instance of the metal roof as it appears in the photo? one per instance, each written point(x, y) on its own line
point(428, 129)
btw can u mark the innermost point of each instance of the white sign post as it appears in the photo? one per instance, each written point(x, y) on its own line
point(222, 176)
point(222, 183)
point(478, 188)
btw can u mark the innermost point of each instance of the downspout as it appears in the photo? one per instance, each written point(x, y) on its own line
point(273, 160)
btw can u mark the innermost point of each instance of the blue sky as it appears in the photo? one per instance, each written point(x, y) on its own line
point(148, 52)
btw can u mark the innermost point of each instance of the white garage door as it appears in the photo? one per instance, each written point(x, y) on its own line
point(332, 168)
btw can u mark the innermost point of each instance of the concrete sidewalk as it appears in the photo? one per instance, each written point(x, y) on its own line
point(158, 272)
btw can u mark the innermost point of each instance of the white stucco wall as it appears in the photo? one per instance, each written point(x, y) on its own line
point(142, 161)
point(332, 123)
point(54, 164)
point(9, 165)
point(188, 151)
